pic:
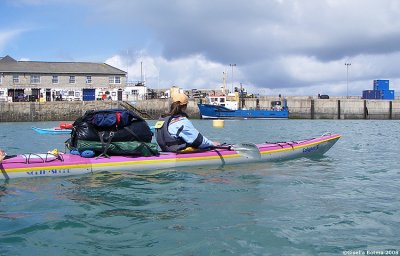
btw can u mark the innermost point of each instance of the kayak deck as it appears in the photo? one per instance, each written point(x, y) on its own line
point(68, 164)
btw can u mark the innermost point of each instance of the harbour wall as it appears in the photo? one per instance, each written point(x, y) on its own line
point(49, 111)
point(302, 107)
point(299, 108)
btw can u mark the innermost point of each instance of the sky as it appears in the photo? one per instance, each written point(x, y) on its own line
point(270, 47)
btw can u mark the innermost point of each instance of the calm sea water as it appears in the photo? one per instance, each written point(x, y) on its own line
point(345, 202)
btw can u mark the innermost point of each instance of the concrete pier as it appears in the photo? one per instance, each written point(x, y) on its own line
point(303, 107)
point(299, 108)
point(49, 111)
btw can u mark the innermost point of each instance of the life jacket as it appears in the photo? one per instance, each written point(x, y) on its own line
point(165, 140)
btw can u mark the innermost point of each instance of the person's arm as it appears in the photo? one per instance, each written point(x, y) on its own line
point(2, 155)
point(185, 130)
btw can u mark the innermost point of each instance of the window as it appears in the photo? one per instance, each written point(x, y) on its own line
point(1, 78)
point(71, 79)
point(1, 93)
point(35, 79)
point(54, 80)
point(134, 92)
point(88, 79)
point(114, 79)
point(15, 78)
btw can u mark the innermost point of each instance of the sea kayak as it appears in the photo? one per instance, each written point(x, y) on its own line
point(51, 130)
point(57, 130)
point(45, 165)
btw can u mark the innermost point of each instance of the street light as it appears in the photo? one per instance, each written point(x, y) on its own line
point(232, 65)
point(224, 77)
point(347, 67)
point(127, 67)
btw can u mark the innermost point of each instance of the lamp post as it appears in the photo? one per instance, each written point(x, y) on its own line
point(232, 65)
point(347, 67)
point(127, 67)
point(224, 75)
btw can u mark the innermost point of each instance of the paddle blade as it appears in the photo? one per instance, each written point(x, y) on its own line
point(248, 150)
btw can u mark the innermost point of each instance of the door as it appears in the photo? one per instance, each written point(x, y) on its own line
point(89, 94)
point(119, 94)
point(48, 94)
point(35, 94)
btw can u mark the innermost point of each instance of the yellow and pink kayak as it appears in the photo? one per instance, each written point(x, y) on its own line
point(48, 165)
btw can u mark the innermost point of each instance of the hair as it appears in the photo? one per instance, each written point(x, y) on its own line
point(176, 109)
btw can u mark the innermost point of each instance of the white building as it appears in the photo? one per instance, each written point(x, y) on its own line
point(50, 81)
point(135, 91)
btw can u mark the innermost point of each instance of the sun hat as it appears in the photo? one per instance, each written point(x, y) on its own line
point(181, 97)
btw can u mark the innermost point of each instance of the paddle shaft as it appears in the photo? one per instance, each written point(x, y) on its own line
point(248, 150)
point(228, 147)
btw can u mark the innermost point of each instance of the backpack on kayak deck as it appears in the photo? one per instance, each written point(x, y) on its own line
point(106, 127)
point(125, 124)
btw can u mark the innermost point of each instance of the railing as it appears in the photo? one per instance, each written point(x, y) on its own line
point(137, 111)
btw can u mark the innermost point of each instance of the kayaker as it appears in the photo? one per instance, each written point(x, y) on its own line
point(175, 132)
point(2, 155)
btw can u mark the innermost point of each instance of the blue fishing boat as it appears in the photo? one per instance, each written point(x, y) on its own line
point(208, 111)
point(220, 107)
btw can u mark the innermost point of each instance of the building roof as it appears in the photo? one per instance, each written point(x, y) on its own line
point(8, 64)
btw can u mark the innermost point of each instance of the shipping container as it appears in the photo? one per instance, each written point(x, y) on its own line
point(381, 84)
point(372, 94)
point(378, 94)
point(388, 94)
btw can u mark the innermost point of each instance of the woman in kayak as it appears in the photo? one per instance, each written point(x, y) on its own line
point(175, 132)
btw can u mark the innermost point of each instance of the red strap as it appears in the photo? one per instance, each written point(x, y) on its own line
point(118, 118)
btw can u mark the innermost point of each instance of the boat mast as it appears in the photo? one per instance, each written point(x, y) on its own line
point(224, 74)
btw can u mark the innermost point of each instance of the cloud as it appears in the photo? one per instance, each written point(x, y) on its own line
point(258, 29)
point(275, 44)
point(34, 2)
point(158, 72)
point(7, 36)
point(291, 46)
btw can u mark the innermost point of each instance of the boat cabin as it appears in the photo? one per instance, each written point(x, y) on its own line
point(278, 105)
point(229, 101)
point(217, 100)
